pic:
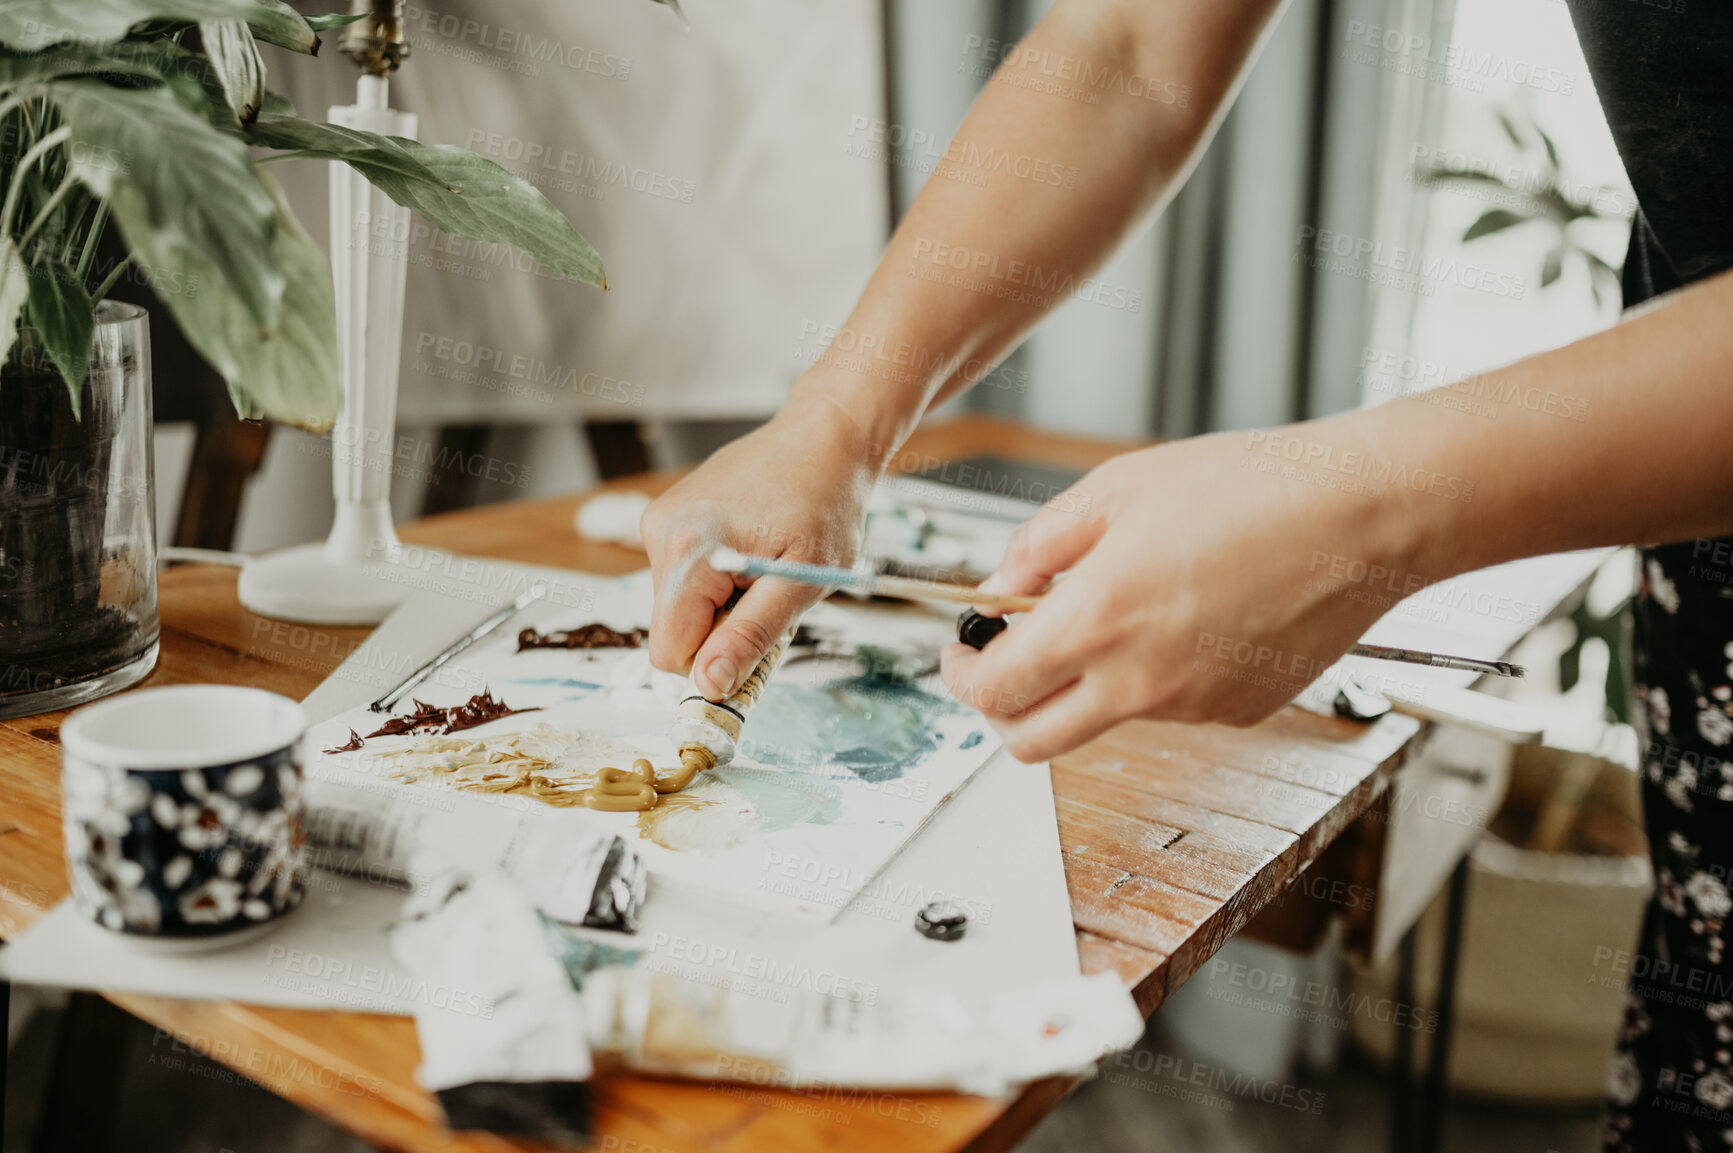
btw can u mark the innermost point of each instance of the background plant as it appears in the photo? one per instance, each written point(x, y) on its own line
point(1536, 190)
point(151, 115)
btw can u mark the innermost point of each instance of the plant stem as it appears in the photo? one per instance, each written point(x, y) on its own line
point(47, 210)
point(8, 105)
point(10, 208)
point(108, 281)
point(92, 239)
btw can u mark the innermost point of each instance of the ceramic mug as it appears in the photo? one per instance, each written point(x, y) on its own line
point(183, 811)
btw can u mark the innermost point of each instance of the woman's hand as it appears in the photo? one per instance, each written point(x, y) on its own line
point(795, 488)
point(1201, 587)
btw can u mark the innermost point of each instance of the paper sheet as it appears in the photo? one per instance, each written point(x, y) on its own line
point(994, 850)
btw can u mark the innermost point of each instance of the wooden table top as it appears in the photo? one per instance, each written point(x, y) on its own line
point(1173, 838)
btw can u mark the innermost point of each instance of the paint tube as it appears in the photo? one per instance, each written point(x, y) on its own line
point(707, 732)
point(911, 1040)
point(573, 876)
point(502, 1031)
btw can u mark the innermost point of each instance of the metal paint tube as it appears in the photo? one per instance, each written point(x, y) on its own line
point(707, 732)
point(683, 1023)
point(586, 878)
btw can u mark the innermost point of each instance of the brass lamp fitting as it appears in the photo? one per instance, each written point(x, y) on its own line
point(376, 43)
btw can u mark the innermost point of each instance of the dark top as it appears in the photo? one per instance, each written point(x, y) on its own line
point(1664, 71)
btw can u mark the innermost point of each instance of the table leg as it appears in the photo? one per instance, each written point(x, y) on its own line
point(1438, 1064)
point(452, 487)
point(88, 1073)
point(1402, 1058)
point(5, 1048)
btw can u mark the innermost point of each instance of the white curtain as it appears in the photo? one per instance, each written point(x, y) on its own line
point(1231, 331)
point(707, 164)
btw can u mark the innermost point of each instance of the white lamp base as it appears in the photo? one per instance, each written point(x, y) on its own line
point(300, 585)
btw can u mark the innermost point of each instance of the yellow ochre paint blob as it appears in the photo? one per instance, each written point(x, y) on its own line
point(636, 789)
point(708, 733)
point(623, 790)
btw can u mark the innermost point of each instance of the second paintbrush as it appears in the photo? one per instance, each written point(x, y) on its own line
point(830, 576)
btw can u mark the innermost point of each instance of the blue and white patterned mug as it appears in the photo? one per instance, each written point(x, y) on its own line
point(183, 810)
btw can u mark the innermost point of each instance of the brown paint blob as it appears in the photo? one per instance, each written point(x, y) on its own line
point(478, 710)
point(590, 636)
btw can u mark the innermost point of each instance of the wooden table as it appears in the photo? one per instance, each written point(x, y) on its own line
point(1174, 837)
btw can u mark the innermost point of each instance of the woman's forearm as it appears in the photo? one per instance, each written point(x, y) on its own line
point(1086, 128)
point(1619, 438)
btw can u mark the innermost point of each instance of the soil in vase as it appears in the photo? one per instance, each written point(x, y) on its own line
point(78, 609)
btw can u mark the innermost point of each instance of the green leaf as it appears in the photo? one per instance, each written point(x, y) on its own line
point(144, 60)
point(1493, 220)
point(290, 373)
point(275, 22)
point(477, 198)
point(457, 191)
point(31, 25)
point(17, 70)
point(276, 104)
point(193, 77)
point(176, 184)
point(326, 21)
point(235, 59)
point(374, 156)
point(63, 316)
point(132, 64)
point(14, 291)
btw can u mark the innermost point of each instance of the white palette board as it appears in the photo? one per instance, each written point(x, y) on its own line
point(736, 829)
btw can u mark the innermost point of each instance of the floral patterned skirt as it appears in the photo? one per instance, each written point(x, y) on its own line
point(1670, 1084)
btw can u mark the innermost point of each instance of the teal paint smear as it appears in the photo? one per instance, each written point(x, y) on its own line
point(557, 683)
point(785, 800)
point(875, 726)
point(971, 740)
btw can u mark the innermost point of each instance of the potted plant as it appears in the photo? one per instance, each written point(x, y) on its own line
point(151, 118)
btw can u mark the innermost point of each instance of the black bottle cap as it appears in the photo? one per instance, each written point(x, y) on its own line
point(941, 921)
point(976, 630)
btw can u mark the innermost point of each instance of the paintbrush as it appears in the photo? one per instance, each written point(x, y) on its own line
point(389, 701)
point(829, 576)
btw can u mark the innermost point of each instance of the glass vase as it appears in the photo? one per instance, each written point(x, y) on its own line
point(78, 603)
